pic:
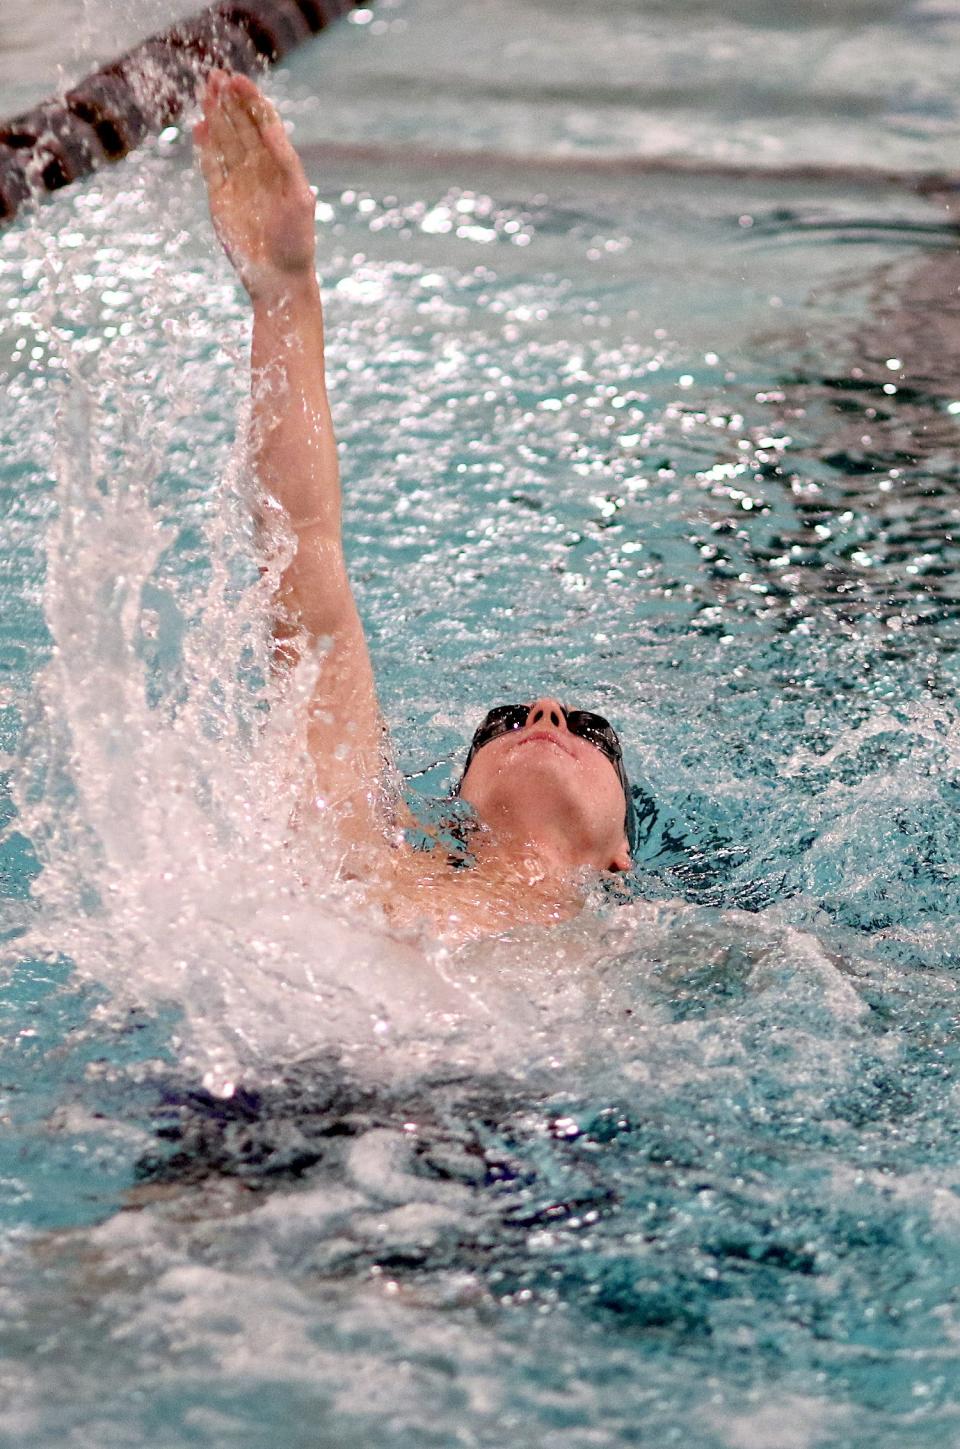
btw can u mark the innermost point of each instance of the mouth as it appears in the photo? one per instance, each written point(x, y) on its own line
point(547, 738)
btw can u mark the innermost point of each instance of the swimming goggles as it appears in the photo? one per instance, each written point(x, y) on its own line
point(593, 728)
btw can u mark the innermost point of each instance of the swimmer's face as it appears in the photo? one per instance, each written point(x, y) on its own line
point(544, 784)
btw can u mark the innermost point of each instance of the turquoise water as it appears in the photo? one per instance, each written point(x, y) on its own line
point(683, 449)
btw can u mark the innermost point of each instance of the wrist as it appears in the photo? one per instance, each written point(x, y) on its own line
point(280, 290)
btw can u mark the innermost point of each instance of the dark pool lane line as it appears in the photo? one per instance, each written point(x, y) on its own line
point(404, 156)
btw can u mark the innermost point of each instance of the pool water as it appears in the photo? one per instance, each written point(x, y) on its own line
point(682, 448)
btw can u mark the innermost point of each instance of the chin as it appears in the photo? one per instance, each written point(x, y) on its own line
point(537, 793)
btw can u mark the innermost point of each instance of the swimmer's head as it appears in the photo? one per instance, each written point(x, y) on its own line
point(544, 773)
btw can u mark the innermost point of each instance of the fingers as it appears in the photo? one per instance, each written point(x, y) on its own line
point(238, 120)
point(227, 144)
point(283, 155)
point(211, 166)
point(239, 125)
point(260, 114)
point(240, 99)
point(222, 144)
point(260, 111)
point(211, 93)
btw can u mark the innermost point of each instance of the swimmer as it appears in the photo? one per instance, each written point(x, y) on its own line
point(546, 783)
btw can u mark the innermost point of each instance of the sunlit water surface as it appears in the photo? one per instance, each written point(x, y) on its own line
point(682, 1171)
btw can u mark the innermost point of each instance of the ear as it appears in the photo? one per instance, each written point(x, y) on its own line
point(622, 859)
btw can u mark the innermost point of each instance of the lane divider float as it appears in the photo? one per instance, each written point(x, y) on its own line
point(109, 112)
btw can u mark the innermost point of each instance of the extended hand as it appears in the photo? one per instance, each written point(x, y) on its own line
point(261, 205)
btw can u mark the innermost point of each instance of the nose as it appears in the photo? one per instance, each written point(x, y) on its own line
point(547, 711)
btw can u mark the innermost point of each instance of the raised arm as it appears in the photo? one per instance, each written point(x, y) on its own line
point(263, 212)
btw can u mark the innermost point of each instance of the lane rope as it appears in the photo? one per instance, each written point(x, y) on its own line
point(108, 113)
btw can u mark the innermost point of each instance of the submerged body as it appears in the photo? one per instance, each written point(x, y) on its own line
point(548, 791)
